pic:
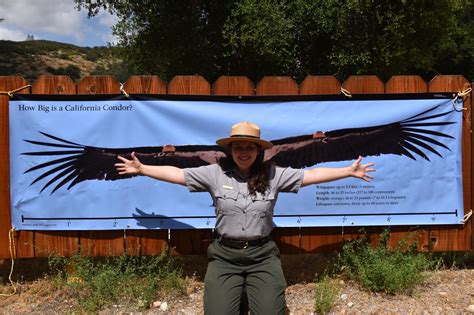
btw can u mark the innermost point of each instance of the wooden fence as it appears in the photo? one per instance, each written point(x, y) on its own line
point(31, 244)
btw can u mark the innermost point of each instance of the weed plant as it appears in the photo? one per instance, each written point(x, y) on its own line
point(326, 293)
point(382, 269)
point(127, 280)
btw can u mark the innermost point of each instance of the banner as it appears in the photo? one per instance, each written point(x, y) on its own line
point(63, 150)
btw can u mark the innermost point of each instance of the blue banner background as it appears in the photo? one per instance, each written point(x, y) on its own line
point(423, 192)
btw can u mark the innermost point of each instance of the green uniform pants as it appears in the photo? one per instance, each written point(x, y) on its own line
point(256, 267)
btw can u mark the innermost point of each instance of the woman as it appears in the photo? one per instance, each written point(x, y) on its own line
point(244, 189)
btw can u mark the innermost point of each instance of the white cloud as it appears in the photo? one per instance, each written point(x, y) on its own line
point(54, 20)
point(107, 19)
point(53, 16)
point(14, 35)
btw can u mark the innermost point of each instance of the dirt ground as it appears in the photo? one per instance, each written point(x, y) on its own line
point(445, 292)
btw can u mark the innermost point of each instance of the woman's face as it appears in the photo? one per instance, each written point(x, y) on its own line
point(244, 155)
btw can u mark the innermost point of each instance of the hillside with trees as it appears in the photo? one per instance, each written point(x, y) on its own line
point(32, 58)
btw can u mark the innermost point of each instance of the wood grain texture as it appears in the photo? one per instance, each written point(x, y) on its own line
point(457, 237)
point(145, 84)
point(190, 242)
point(277, 85)
point(406, 84)
point(364, 84)
point(102, 243)
point(189, 84)
point(98, 84)
point(146, 242)
point(324, 84)
point(233, 85)
point(53, 84)
point(9, 83)
point(60, 243)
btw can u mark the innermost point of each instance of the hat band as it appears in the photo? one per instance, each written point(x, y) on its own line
point(244, 136)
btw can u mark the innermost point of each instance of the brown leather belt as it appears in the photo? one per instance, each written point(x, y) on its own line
point(241, 244)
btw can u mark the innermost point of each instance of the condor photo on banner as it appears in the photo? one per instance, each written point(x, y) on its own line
point(63, 150)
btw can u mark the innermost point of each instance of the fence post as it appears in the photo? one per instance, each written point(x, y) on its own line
point(277, 85)
point(100, 243)
point(189, 85)
point(194, 241)
point(145, 242)
point(24, 239)
point(64, 243)
point(456, 238)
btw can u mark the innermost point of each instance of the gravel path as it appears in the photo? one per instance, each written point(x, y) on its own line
point(445, 292)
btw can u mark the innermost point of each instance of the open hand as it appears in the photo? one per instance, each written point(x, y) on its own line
point(361, 171)
point(129, 167)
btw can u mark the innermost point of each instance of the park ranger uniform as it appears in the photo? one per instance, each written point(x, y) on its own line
point(243, 252)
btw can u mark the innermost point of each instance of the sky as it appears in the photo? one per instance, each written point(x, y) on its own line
point(56, 20)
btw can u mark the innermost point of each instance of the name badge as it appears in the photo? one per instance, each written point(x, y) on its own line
point(227, 187)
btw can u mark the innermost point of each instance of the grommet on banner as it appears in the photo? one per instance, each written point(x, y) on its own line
point(12, 92)
point(461, 95)
point(11, 240)
point(466, 217)
point(123, 91)
point(346, 92)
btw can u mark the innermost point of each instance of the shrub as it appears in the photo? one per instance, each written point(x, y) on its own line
point(128, 280)
point(326, 293)
point(381, 269)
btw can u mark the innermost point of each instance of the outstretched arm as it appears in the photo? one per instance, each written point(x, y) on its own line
point(321, 175)
point(165, 173)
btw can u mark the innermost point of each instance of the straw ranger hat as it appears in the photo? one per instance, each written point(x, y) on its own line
point(245, 131)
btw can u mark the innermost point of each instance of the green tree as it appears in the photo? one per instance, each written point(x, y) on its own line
point(293, 37)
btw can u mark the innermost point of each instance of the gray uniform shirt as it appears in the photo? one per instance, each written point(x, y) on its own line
point(238, 214)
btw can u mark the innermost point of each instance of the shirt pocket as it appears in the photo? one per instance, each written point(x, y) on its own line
point(226, 202)
point(263, 204)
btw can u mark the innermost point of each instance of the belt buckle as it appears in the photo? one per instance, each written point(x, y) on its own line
point(246, 244)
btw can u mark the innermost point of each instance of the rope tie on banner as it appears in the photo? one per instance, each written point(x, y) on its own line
point(466, 217)
point(123, 91)
point(346, 92)
point(461, 95)
point(11, 239)
point(10, 93)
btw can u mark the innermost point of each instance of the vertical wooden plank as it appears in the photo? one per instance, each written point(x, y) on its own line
point(457, 238)
point(63, 243)
point(189, 85)
point(53, 84)
point(24, 239)
point(100, 243)
point(233, 85)
point(364, 84)
point(320, 239)
point(145, 84)
point(288, 240)
point(277, 85)
point(406, 84)
point(145, 242)
point(189, 242)
point(318, 85)
point(98, 84)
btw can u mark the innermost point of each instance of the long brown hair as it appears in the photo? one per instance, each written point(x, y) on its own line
point(259, 172)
